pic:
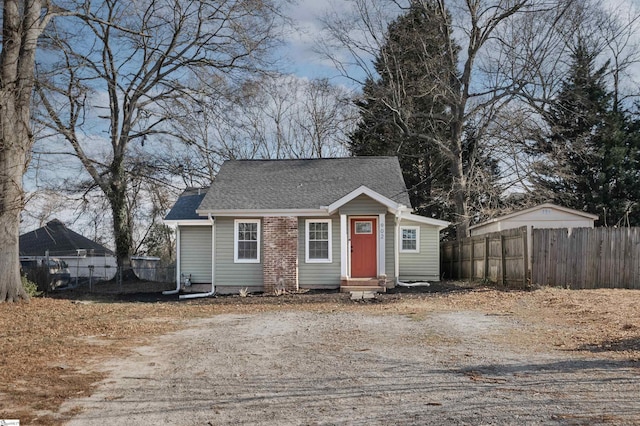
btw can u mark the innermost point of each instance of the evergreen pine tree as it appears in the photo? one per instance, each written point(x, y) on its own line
point(590, 156)
point(418, 79)
point(412, 72)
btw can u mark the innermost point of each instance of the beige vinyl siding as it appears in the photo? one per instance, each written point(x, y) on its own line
point(389, 254)
point(228, 273)
point(195, 253)
point(319, 275)
point(426, 264)
point(362, 205)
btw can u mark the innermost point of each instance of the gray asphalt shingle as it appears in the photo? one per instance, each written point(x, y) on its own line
point(301, 184)
point(186, 205)
point(59, 240)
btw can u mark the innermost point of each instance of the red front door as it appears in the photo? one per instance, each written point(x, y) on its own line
point(364, 262)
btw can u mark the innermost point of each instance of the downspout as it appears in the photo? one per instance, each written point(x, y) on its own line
point(396, 249)
point(177, 289)
point(213, 251)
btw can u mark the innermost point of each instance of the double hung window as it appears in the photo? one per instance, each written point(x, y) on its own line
point(410, 239)
point(247, 241)
point(318, 240)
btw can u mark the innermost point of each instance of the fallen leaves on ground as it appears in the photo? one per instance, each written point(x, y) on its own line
point(51, 349)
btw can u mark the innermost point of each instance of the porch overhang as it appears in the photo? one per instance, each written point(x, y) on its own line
point(440, 224)
point(391, 205)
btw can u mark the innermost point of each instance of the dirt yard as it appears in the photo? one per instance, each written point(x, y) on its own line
point(455, 356)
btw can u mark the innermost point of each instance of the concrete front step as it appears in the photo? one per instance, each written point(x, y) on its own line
point(350, 288)
point(360, 282)
point(363, 295)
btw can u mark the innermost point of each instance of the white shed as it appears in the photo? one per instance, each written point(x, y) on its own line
point(543, 216)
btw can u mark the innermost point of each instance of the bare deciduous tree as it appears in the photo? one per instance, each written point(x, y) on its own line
point(493, 67)
point(276, 116)
point(22, 23)
point(289, 117)
point(118, 70)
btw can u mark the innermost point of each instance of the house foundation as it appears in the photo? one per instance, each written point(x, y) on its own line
point(280, 260)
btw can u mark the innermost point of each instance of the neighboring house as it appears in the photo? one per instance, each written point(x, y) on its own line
point(268, 225)
point(83, 256)
point(541, 216)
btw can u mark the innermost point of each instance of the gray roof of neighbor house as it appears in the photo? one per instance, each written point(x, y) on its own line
point(186, 205)
point(59, 240)
point(301, 184)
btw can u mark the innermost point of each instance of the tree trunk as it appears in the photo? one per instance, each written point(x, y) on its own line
point(14, 138)
point(22, 24)
point(11, 289)
point(459, 198)
point(121, 222)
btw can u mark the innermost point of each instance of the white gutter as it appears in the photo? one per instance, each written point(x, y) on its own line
point(213, 251)
point(177, 289)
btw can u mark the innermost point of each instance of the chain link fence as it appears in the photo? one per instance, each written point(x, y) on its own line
point(97, 272)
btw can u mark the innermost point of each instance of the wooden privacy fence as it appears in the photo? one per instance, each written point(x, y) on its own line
point(498, 257)
point(587, 258)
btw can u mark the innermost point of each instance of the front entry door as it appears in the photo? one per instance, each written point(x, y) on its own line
point(364, 262)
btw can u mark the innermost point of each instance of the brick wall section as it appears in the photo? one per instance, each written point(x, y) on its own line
point(280, 261)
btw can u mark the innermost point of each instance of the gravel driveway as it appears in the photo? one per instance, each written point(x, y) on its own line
point(310, 368)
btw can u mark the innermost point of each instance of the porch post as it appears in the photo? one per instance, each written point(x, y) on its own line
point(344, 247)
point(381, 244)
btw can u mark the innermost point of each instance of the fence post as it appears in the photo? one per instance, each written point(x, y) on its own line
point(460, 259)
point(503, 261)
point(46, 259)
point(451, 259)
point(473, 260)
point(486, 258)
point(525, 255)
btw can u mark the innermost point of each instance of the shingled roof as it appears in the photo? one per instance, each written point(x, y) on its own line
point(186, 205)
point(301, 184)
point(58, 239)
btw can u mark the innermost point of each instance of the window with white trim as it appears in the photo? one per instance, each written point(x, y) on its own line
point(409, 239)
point(318, 240)
point(246, 241)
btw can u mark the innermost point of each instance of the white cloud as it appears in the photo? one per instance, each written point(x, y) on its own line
point(306, 17)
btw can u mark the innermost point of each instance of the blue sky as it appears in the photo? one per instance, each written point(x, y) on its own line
point(307, 17)
point(299, 54)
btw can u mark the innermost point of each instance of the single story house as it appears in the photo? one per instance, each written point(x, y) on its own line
point(83, 256)
point(270, 225)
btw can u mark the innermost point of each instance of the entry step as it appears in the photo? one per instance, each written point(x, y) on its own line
point(361, 288)
point(363, 295)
